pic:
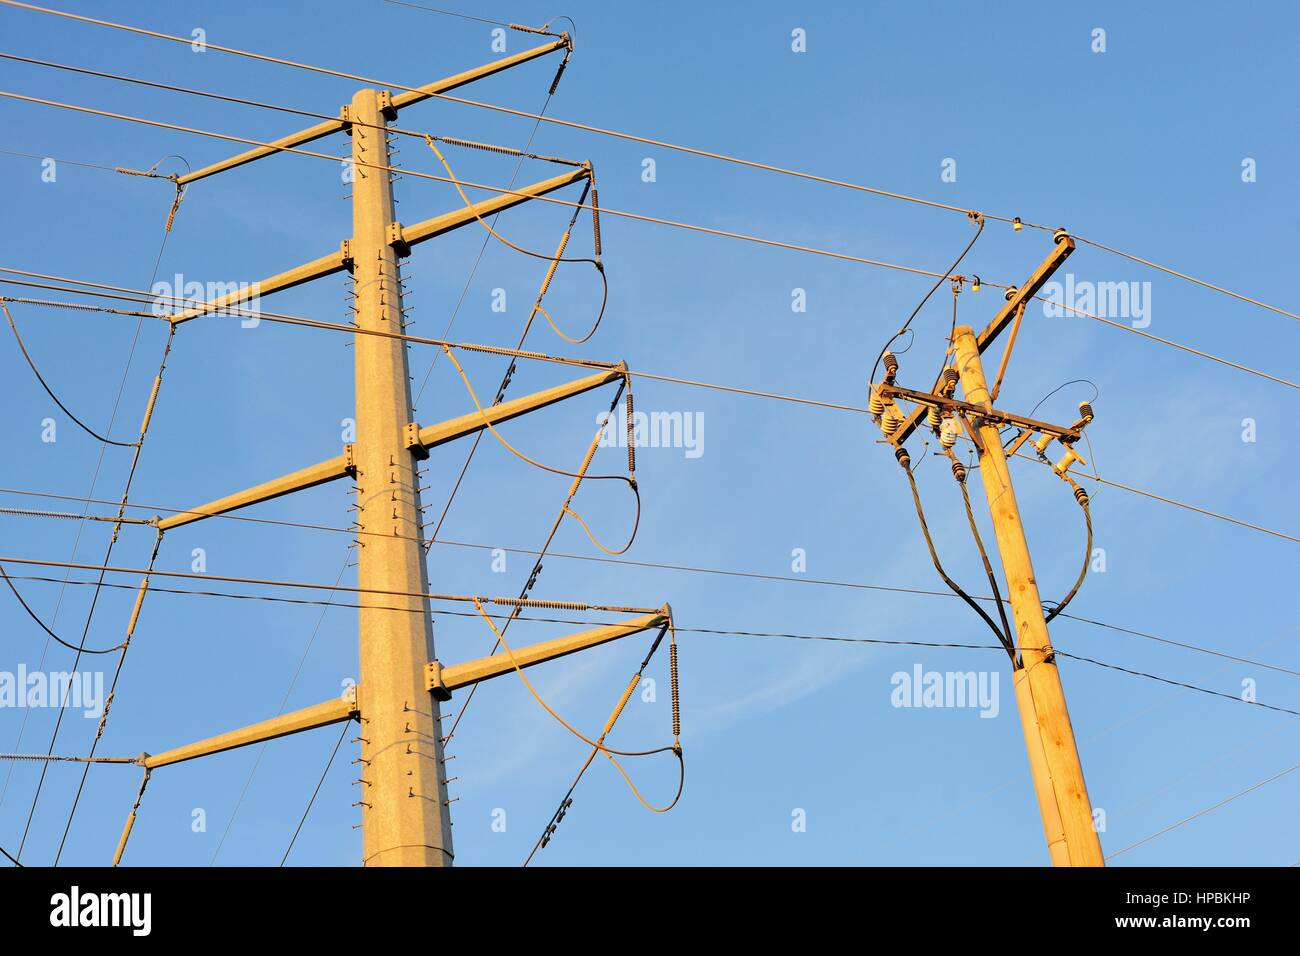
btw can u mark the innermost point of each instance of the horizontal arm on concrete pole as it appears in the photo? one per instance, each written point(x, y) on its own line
point(441, 681)
point(299, 480)
point(325, 128)
point(429, 437)
point(316, 269)
point(434, 435)
point(1060, 252)
point(309, 718)
point(428, 229)
point(438, 225)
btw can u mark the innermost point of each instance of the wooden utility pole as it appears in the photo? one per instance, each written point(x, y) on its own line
point(1053, 756)
point(403, 792)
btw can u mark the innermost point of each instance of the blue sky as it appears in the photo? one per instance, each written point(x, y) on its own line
point(1140, 147)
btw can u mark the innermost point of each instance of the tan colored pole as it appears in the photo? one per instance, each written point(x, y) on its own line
point(1053, 757)
point(404, 815)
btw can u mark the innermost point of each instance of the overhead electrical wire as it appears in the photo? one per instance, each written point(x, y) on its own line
point(478, 259)
point(565, 508)
point(31, 363)
point(1210, 809)
point(639, 217)
point(947, 276)
point(1256, 302)
point(137, 450)
point(315, 793)
point(664, 144)
point(1003, 636)
point(651, 376)
point(310, 586)
point(329, 603)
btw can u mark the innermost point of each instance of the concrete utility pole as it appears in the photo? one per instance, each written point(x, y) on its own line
point(405, 817)
point(1053, 755)
point(404, 795)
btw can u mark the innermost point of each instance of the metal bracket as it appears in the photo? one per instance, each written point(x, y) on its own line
point(413, 443)
point(349, 460)
point(345, 117)
point(345, 253)
point(397, 239)
point(386, 105)
point(433, 682)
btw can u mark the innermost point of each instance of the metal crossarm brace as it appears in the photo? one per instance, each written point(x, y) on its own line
point(408, 236)
point(323, 129)
point(309, 718)
point(441, 681)
point(428, 437)
point(1062, 246)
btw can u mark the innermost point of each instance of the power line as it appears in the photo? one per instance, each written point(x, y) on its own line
point(121, 511)
point(1177, 683)
point(1171, 343)
point(1057, 651)
point(639, 217)
point(1201, 813)
point(663, 566)
point(82, 163)
point(669, 379)
point(31, 363)
point(448, 13)
point(281, 318)
point(676, 147)
point(265, 582)
point(315, 793)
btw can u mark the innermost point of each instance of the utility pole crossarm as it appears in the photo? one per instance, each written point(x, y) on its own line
point(404, 236)
point(431, 436)
point(1062, 245)
point(441, 681)
point(325, 128)
point(930, 400)
point(309, 718)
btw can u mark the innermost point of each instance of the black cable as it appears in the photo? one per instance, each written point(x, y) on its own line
point(10, 857)
point(1087, 559)
point(50, 392)
point(934, 288)
point(329, 763)
point(934, 555)
point(992, 647)
point(1008, 641)
point(44, 627)
point(1175, 683)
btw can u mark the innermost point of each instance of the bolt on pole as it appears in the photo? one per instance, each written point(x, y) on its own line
point(403, 794)
point(1053, 755)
